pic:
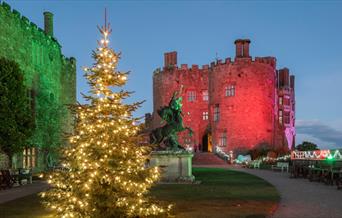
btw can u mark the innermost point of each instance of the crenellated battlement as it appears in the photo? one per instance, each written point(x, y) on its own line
point(185, 67)
point(28, 26)
point(242, 57)
point(6, 6)
point(41, 42)
point(220, 62)
point(266, 60)
point(16, 13)
point(70, 60)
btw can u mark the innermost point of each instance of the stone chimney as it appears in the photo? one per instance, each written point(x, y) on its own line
point(284, 77)
point(242, 48)
point(292, 82)
point(170, 59)
point(48, 23)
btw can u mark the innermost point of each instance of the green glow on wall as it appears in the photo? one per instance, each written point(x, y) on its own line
point(49, 76)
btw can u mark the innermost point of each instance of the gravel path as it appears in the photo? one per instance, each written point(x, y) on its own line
point(299, 197)
point(22, 191)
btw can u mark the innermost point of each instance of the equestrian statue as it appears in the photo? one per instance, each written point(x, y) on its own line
point(167, 135)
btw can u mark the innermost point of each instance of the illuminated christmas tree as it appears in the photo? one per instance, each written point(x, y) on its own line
point(105, 167)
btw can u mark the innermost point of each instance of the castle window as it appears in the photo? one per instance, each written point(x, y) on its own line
point(31, 97)
point(29, 158)
point(205, 95)
point(287, 117)
point(286, 101)
point(223, 139)
point(280, 100)
point(52, 97)
point(230, 90)
point(205, 115)
point(187, 140)
point(41, 55)
point(217, 112)
point(37, 54)
point(191, 96)
point(281, 117)
point(33, 54)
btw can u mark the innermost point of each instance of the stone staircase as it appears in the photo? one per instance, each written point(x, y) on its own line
point(207, 158)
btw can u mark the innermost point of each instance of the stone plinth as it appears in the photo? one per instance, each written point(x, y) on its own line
point(176, 166)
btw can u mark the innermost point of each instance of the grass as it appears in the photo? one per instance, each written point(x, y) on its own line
point(222, 193)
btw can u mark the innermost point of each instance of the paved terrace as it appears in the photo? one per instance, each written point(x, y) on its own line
point(22, 191)
point(299, 197)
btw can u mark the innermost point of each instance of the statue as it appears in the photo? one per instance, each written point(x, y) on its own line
point(167, 134)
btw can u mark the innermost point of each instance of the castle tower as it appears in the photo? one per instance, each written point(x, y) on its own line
point(285, 108)
point(241, 103)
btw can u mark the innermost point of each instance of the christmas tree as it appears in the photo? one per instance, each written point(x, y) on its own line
point(105, 171)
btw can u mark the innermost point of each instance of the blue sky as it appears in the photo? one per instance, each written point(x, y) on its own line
point(304, 36)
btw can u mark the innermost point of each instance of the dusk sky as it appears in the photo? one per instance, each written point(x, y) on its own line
point(305, 36)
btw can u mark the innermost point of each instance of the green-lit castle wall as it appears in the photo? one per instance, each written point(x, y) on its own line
point(49, 76)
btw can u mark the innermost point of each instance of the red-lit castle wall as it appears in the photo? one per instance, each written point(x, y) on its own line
point(243, 107)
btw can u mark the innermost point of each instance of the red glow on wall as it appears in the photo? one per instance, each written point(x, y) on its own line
point(243, 107)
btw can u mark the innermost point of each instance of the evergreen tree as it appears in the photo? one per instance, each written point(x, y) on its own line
point(16, 120)
point(105, 167)
point(50, 137)
point(307, 146)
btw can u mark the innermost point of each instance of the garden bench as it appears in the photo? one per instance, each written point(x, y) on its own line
point(6, 179)
point(255, 164)
point(339, 180)
point(281, 166)
point(25, 174)
point(301, 169)
point(315, 173)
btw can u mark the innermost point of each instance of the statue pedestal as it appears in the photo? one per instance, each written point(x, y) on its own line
point(175, 166)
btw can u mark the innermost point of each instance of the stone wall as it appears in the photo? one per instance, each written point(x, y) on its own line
point(4, 163)
point(46, 71)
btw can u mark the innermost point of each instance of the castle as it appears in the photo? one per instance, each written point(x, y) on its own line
point(231, 104)
point(50, 79)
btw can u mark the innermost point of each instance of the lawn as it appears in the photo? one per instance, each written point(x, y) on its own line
point(222, 193)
